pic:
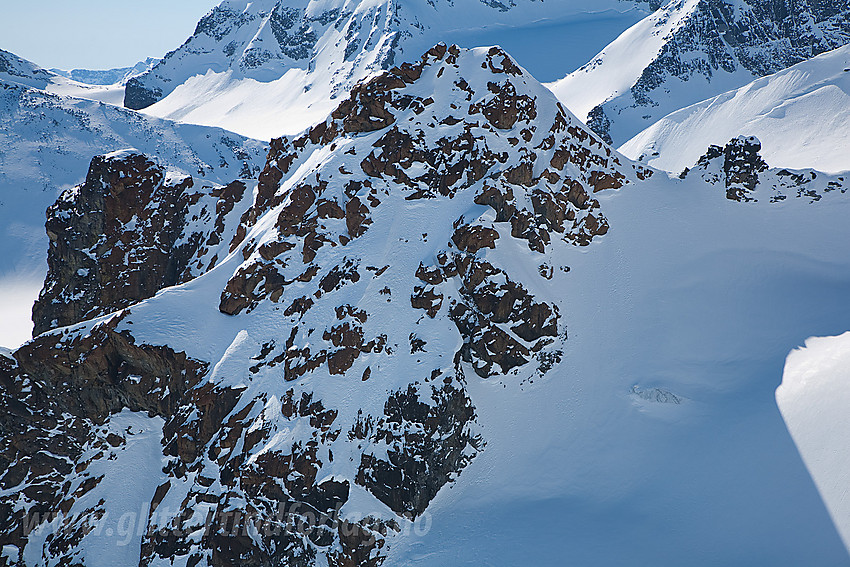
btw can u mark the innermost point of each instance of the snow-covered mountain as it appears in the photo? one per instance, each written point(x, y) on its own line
point(267, 68)
point(46, 141)
point(801, 115)
point(693, 49)
point(447, 325)
point(119, 75)
point(14, 69)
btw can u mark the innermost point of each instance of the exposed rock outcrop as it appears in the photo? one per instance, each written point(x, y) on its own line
point(124, 234)
point(740, 169)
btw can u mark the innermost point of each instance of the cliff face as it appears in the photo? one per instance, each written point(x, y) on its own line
point(341, 307)
point(130, 230)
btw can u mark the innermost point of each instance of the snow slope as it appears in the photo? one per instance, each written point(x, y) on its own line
point(14, 69)
point(653, 438)
point(46, 143)
point(582, 469)
point(813, 399)
point(692, 49)
point(801, 115)
point(266, 68)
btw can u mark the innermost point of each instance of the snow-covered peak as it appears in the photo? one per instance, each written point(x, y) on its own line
point(692, 49)
point(800, 114)
point(271, 68)
point(18, 70)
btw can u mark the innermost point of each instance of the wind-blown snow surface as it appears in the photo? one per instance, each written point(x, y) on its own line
point(813, 398)
point(266, 68)
point(801, 115)
point(700, 298)
point(655, 441)
point(46, 144)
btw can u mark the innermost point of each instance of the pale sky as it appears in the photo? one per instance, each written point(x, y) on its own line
point(96, 34)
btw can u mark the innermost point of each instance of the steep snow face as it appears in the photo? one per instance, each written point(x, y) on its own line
point(813, 398)
point(269, 68)
point(801, 115)
point(46, 141)
point(691, 49)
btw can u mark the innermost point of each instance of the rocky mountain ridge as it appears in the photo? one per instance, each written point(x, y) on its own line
point(48, 140)
point(301, 299)
point(446, 300)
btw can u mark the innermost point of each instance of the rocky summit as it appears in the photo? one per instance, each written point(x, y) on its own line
point(282, 370)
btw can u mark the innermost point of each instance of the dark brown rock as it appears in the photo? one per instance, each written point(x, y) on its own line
point(98, 260)
point(435, 443)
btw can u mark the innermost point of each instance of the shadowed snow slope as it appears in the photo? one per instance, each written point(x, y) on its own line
point(801, 115)
point(813, 398)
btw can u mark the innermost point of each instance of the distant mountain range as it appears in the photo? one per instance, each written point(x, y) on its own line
point(293, 61)
point(119, 75)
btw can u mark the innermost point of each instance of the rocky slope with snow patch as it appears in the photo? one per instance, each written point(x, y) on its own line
point(691, 49)
point(741, 169)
